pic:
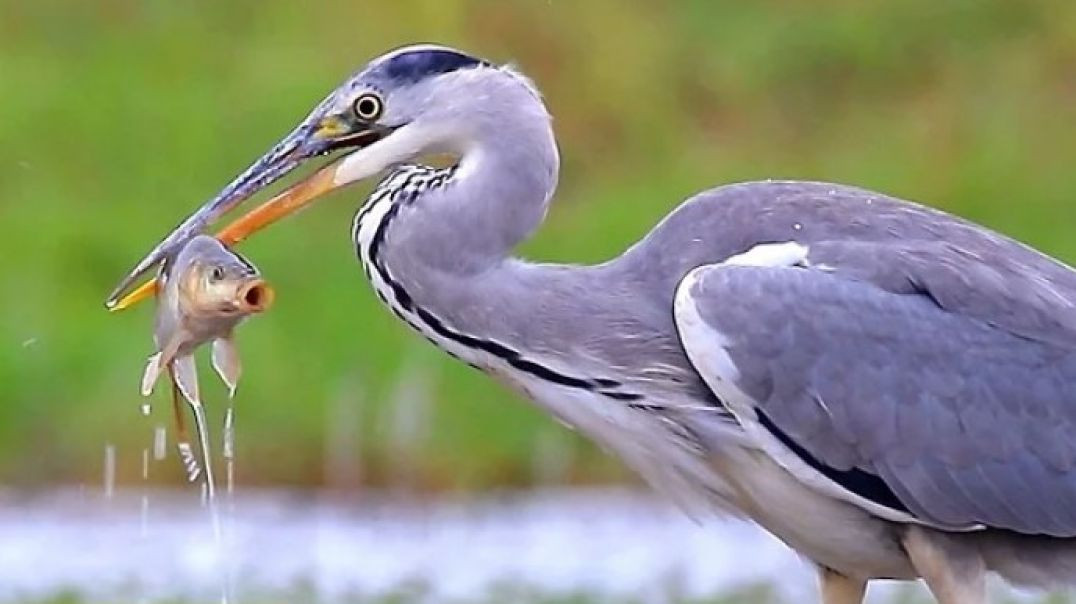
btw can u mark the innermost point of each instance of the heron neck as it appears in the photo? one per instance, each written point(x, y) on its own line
point(442, 240)
point(496, 197)
point(442, 261)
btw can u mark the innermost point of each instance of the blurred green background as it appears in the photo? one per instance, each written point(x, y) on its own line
point(119, 117)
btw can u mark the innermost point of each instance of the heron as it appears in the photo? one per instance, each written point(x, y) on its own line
point(887, 388)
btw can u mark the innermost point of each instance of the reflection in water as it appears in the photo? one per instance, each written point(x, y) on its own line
point(605, 543)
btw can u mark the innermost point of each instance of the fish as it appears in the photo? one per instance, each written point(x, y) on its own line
point(203, 292)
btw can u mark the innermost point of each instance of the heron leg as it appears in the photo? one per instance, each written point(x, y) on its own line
point(955, 574)
point(840, 589)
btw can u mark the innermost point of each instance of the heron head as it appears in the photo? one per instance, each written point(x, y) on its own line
point(410, 101)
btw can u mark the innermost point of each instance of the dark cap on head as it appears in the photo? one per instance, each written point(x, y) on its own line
point(415, 65)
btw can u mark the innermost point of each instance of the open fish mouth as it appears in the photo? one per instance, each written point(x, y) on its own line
point(255, 296)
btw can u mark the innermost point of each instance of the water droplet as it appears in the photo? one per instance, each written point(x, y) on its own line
point(189, 461)
point(144, 522)
point(143, 518)
point(797, 226)
point(203, 441)
point(110, 470)
point(146, 409)
point(160, 443)
point(229, 449)
point(229, 433)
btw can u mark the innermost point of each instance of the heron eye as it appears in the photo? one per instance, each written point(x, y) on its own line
point(368, 107)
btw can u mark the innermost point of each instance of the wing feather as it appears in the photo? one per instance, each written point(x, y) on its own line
point(951, 375)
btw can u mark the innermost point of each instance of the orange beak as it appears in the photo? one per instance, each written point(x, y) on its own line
point(287, 202)
point(323, 132)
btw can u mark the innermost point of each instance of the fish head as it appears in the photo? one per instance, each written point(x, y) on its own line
point(215, 282)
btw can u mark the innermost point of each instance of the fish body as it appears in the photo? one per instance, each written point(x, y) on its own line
point(204, 291)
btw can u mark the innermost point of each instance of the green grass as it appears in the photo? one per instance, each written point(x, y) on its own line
point(118, 117)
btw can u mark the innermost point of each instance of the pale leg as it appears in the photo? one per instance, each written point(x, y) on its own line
point(954, 574)
point(839, 589)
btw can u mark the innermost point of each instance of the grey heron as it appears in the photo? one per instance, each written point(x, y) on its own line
point(887, 388)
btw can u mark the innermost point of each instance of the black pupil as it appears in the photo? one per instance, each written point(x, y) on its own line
point(367, 107)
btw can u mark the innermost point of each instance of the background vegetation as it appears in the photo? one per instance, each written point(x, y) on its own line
point(117, 117)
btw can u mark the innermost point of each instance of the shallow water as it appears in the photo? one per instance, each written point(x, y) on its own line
point(607, 544)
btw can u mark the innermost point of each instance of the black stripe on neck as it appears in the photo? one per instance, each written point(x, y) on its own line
point(603, 386)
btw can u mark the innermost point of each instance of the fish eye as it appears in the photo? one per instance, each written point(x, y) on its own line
point(368, 107)
point(216, 274)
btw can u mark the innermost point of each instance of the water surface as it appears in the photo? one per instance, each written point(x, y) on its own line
point(612, 544)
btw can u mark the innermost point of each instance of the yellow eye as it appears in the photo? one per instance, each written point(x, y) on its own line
point(368, 107)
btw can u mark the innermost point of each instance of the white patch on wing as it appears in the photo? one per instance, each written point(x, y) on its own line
point(706, 347)
point(788, 253)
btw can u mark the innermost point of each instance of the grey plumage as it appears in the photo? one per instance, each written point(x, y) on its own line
point(940, 359)
point(886, 387)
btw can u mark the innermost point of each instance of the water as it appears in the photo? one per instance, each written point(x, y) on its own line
point(144, 512)
point(203, 441)
point(189, 461)
point(609, 544)
point(110, 470)
point(160, 443)
point(228, 447)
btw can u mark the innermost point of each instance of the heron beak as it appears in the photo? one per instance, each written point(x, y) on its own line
point(320, 134)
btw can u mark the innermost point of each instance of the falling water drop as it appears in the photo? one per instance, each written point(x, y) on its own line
point(189, 461)
point(146, 409)
point(229, 448)
point(145, 498)
point(209, 498)
point(160, 443)
point(228, 453)
point(203, 441)
point(110, 470)
point(144, 523)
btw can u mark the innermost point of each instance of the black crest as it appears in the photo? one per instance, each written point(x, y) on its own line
point(415, 65)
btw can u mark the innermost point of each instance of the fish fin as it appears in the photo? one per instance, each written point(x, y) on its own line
point(150, 375)
point(169, 350)
point(185, 374)
point(226, 362)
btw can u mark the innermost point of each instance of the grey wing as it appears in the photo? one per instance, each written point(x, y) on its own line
point(917, 376)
